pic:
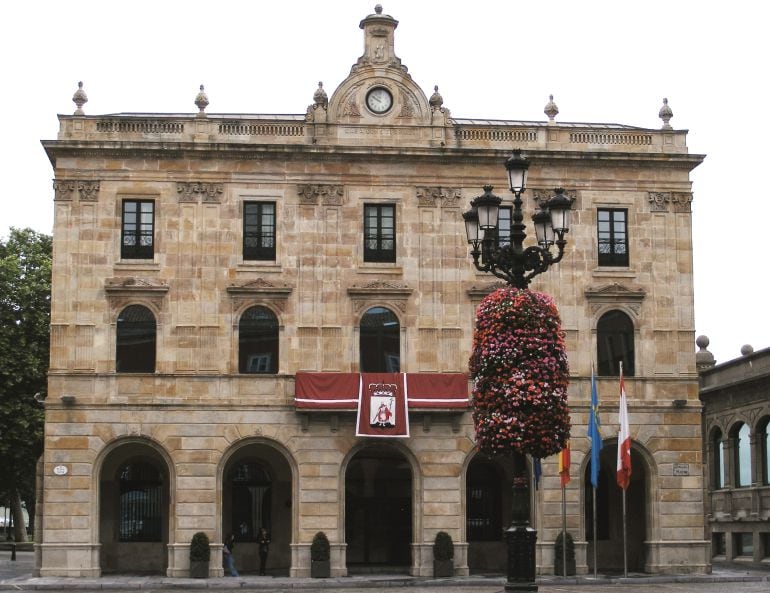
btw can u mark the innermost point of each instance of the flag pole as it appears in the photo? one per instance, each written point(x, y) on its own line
point(564, 529)
point(625, 546)
point(595, 538)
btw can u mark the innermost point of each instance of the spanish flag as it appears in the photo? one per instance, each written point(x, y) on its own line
point(564, 462)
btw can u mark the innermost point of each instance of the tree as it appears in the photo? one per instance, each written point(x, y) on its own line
point(25, 312)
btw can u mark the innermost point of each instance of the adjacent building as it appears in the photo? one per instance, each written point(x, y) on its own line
point(223, 285)
point(736, 446)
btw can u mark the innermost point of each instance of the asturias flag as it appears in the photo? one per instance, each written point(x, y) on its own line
point(564, 461)
point(624, 439)
point(593, 432)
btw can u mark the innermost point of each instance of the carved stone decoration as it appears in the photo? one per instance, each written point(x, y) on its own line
point(615, 294)
point(369, 295)
point(260, 288)
point(681, 202)
point(407, 106)
point(122, 290)
point(446, 197)
point(63, 190)
point(351, 108)
point(330, 195)
point(542, 196)
point(477, 293)
point(659, 201)
point(89, 191)
point(194, 191)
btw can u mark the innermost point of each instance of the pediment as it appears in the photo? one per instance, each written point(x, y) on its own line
point(615, 292)
point(260, 287)
point(133, 285)
point(381, 288)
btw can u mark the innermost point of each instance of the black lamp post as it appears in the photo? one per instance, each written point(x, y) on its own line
point(513, 262)
point(517, 265)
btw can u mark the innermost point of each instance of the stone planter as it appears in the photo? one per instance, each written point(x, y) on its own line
point(320, 569)
point(443, 568)
point(199, 569)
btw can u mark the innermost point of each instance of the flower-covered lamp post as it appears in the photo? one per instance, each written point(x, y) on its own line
point(519, 361)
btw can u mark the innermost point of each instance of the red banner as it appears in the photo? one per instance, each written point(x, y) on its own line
point(326, 391)
point(382, 406)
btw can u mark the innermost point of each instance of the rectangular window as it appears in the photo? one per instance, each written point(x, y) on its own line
point(613, 236)
point(743, 544)
point(718, 547)
point(259, 231)
point(379, 233)
point(137, 234)
point(503, 226)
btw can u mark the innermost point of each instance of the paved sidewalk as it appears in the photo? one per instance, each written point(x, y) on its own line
point(17, 575)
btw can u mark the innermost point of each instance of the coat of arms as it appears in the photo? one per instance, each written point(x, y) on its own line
point(382, 405)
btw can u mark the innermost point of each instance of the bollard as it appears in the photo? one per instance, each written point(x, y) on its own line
point(13, 551)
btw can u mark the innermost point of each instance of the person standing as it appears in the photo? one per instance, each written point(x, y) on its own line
point(227, 550)
point(263, 541)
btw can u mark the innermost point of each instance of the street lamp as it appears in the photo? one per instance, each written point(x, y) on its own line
point(517, 265)
point(513, 262)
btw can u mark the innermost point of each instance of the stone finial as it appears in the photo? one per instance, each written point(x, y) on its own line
point(551, 110)
point(436, 100)
point(747, 349)
point(320, 97)
point(703, 358)
point(79, 99)
point(378, 8)
point(666, 114)
point(201, 101)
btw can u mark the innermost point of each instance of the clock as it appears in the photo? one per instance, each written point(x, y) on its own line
point(379, 100)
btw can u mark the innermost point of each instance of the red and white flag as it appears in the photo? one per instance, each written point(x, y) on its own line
point(624, 439)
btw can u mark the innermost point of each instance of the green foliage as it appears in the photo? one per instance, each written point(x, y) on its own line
point(319, 549)
point(443, 548)
point(25, 312)
point(200, 551)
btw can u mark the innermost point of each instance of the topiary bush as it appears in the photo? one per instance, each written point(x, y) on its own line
point(319, 549)
point(443, 548)
point(200, 550)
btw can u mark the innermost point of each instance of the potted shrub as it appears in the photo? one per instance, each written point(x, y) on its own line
point(200, 554)
point(558, 563)
point(443, 555)
point(319, 557)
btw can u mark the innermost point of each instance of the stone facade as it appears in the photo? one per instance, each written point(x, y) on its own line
point(196, 418)
point(736, 445)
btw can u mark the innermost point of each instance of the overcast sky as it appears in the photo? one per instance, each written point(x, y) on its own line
point(607, 62)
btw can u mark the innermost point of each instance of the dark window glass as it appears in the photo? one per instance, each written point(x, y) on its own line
point(613, 237)
point(258, 341)
point(718, 452)
point(141, 499)
point(742, 455)
point(136, 240)
point(743, 544)
point(615, 344)
point(483, 507)
point(135, 340)
point(718, 546)
point(379, 233)
point(380, 346)
point(502, 233)
point(251, 500)
point(258, 231)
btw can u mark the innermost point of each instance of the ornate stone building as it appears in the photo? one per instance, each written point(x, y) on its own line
point(212, 271)
point(736, 444)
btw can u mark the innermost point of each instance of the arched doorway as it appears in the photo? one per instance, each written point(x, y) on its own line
point(134, 511)
point(257, 492)
point(378, 511)
point(609, 513)
point(488, 488)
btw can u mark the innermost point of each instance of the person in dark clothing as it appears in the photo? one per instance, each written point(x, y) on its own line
point(227, 551)
point(263, 541)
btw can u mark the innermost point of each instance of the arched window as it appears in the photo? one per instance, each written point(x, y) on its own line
point(141, 502)
point(135, 340)
point(250, 488)
point(615, 344)
point(380, 349)
point(741, 454)
point(718, 459)
point(764, 444)
point(258, 341)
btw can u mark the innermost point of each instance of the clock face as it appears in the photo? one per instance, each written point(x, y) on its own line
point(379, 100)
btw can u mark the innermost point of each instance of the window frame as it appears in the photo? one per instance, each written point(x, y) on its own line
point(259, 252)
point(608, 357)
point(379, 347)
point(741, 467)
point(267, 362)
point(141, 359)
point(610, 239)
point(138, 229)
point(379, 253)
